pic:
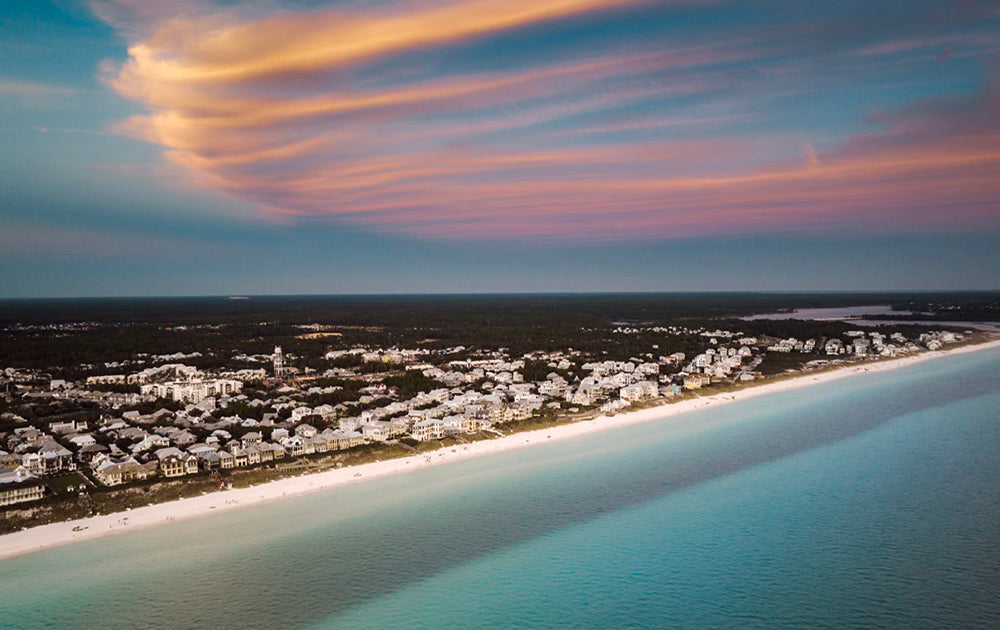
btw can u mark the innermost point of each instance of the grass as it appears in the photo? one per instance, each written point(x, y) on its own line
point(780, 362)
point(70, 482)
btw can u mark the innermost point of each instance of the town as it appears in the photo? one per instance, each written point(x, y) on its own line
point(157, 417)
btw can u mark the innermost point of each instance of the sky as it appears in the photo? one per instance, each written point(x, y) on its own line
point(200, 147)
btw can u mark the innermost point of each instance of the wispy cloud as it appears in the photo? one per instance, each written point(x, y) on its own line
point(369, 115)
point(25, 89)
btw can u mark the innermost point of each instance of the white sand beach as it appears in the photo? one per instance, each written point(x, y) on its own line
point(56, 534)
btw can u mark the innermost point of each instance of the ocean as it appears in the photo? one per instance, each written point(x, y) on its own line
point(868, 502)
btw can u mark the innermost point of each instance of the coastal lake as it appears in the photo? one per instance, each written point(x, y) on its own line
point(870, 501)
point(852, 313)
point(840, 312)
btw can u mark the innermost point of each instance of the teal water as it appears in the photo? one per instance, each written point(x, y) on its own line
point(871, 502)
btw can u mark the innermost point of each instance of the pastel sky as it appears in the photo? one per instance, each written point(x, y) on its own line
point(384, 146)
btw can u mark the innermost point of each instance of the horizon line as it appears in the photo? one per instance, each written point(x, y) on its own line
point(250, 296)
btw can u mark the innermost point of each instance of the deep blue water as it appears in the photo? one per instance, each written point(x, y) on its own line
point(871, 502)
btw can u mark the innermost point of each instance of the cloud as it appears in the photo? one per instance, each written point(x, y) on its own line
point(811, 155)
point(25, 89)
point(393, 117)
point(215, 49)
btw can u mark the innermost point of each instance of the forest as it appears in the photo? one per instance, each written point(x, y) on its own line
point(73, 338)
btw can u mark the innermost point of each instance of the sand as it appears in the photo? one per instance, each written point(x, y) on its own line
point(57, 534)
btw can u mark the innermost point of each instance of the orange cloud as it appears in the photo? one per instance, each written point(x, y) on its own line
point(320, 40)
point(272, 108)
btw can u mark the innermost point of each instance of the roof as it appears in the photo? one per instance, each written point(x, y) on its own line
point(170, 451)
point(14, 474)
point(26, 483)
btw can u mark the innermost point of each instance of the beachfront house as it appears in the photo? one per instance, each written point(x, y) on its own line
point(17, 485)
point(113, 472)
point(429, 429)
point(696, 381)
point(174, 463)
point(638, 391)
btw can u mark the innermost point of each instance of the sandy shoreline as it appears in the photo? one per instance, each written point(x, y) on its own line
point(57, 534)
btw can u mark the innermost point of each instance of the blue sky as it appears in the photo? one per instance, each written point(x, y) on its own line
point(194, 147)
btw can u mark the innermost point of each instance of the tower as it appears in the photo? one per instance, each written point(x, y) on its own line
point(279, 366)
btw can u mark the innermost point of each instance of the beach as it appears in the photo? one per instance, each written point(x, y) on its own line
point(57, 534)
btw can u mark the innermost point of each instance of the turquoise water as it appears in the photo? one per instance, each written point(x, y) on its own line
point(870, 502)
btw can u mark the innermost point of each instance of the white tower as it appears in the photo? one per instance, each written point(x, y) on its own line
point(279, 366)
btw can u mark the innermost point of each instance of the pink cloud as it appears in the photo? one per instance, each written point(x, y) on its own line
point(267, 107)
